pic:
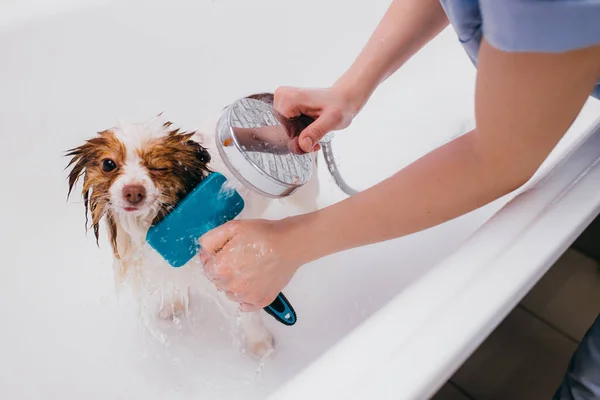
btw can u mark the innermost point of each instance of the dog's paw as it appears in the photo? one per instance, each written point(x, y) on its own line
point(253, 337)
point(261, 347)
point(258, 340)
point(173, 310)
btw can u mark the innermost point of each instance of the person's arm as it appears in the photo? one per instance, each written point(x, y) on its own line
point(525, 102)
point(406, 27)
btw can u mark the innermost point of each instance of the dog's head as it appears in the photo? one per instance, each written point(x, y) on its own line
point(134, 174)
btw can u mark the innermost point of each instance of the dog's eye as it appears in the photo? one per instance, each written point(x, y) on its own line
point(108, 165)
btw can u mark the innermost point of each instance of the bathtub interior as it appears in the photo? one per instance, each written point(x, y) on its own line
point(65, 77)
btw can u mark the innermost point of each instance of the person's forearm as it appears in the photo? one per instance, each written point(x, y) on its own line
point(405, 28)
point(444, 184)
point(524, 104)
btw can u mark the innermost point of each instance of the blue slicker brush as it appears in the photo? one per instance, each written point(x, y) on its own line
point(209, 205)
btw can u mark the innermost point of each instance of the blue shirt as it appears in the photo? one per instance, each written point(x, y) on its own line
point(526, 25)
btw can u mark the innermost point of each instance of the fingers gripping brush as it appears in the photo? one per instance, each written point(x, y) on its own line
point(210, 204)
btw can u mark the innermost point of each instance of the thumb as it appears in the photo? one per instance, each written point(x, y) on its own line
point(214, 240)
point(310, 137)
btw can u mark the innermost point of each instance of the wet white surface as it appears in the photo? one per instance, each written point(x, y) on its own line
point(62, 78)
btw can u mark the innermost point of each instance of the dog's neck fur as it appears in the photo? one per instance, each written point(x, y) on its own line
point(131, 233)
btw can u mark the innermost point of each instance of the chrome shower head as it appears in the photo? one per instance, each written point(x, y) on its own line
point(260, 147)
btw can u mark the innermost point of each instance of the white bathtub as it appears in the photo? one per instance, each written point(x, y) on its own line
point(401, 315)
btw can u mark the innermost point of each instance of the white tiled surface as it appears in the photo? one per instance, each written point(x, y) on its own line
point(526, 356)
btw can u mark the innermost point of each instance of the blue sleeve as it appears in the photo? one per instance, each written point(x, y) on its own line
point(541, 25)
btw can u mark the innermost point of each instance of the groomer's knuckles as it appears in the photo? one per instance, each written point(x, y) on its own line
point(285, 101)
point(214, 240)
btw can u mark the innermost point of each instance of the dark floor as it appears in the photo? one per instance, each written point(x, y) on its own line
point(526, 356)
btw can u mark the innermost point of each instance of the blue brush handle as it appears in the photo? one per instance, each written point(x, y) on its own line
point(282, 310)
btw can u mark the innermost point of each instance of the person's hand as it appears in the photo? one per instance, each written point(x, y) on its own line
point(331, 109)
point(251, 260)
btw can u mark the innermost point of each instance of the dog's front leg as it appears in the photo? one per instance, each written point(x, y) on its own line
point(258, 340)
point(255, 337)
point(174, 303)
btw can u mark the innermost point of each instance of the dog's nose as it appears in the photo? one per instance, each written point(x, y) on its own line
point(134, 194)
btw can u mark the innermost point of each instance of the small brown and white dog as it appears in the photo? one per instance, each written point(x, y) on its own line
point(133, 175)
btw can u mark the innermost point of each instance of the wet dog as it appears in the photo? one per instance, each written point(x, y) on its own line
point(132, 175)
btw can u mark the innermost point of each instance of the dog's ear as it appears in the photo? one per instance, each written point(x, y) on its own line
point(188, 161)
point(185, 138)
point(202, 154)
point(81, 157)
point(79, 160)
